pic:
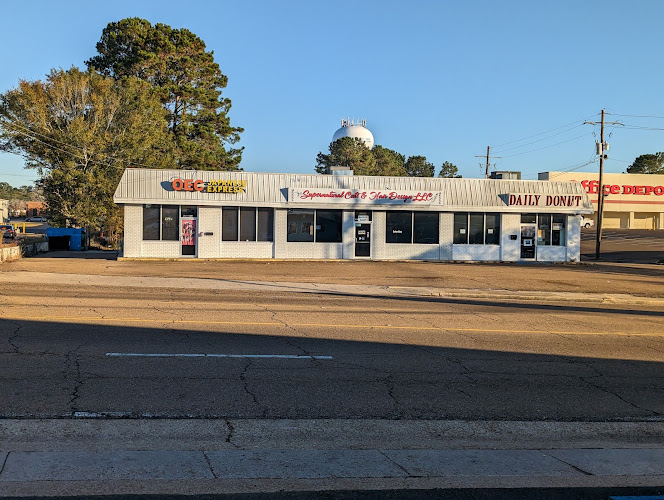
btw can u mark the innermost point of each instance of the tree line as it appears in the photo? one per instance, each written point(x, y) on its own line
point(352, 153)
point(151, 97)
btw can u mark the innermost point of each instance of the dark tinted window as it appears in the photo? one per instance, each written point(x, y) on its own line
point(247, 224)
point(265, 224)
point(425, 227)
point(492, 236)
point(398, 227)
point(169, 222)
point(476, 232)
point(460, 229)
point(151, 220)
point(300, 225)
point(229, 229)
point(328, 226)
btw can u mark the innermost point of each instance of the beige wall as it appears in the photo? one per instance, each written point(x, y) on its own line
point(634, 201)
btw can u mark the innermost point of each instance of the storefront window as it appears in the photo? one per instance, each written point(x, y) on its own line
point(492, 236)
point(247, 224)
point(300, 225)
point(528, 218)
point(151, 218)
point(328, 226)
point(460, 229)
point(398, 227)
point(544, 229)
point(189, 211)
point(229, 226)
point(170, 223)
point(476, 233)
point(476, 229)
point(558, 230)
point(265, 224)
point(425, 227)
point(551, 229)
point(160, 222)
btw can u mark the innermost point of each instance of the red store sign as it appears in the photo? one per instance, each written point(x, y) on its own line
point(592, 187)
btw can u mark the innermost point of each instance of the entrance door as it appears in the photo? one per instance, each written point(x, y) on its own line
point(362, 240)
point(528, 241)
point(362, 234)
point(188, 238)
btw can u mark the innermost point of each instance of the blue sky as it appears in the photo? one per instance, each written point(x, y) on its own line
point(443, 79)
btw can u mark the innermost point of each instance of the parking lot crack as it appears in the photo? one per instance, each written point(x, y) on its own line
point(207, 459)
point(396, 464)
point(14, 336)
point(616, 395)
point(245, 382)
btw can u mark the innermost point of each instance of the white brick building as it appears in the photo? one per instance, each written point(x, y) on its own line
point(213, 215)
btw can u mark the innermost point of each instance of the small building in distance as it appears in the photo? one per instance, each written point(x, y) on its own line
point(35, 209)
point(4, 211)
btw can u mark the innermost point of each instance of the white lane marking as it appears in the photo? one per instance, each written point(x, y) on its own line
point(203, 355)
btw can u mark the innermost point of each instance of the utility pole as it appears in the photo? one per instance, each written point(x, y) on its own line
point(601, 148)
point(488, 156)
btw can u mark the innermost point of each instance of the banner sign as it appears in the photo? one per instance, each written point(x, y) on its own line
point(542, 200)
point(213, 186)
point(363, 197)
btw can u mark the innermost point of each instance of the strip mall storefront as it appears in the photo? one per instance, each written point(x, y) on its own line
point(212, 215)
point(631, 201)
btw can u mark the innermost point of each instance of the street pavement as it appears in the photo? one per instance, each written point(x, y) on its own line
point(110, 454)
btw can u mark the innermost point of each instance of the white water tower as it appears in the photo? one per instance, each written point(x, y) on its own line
point(356, 130)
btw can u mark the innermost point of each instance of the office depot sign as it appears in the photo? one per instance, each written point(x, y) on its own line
point(592, 187)
point(363, 197)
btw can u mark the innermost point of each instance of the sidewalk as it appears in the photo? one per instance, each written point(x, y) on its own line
point(89, 456)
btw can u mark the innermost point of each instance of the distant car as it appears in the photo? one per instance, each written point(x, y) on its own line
point(587, 222)
point(35, 219)
point(7, 231)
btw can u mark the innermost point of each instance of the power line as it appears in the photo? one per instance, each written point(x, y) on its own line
point(636, 116)
point(542, 139)
point(542, 133)
point(547, 147)
point(78, 151)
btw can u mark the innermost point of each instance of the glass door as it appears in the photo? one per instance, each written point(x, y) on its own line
point(188, 235)
point(362, 234)
point(528, 241)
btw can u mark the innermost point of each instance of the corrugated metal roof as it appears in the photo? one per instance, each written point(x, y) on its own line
point(147, 186)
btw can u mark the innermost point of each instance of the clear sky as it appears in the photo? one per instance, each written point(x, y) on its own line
point(443, 79)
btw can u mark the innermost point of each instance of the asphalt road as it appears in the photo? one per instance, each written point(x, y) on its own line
point(80, 350)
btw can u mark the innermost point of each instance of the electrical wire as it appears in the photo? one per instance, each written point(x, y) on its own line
point(547, 147)
point(542, 133)
point(540, 140)
point(78, 151)
point(636, 116)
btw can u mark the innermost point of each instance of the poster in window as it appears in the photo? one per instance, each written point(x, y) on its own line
point(292, 228)
point(307, 228)
point(188, 232)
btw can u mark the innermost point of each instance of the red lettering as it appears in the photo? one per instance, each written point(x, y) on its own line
point(628, 189)
point(199, 185)
point(177, 184)
point(188, 185)
point(639, 189)
point(594, 187)
point(659, 190)
point(615, 189)
point(650, 189)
